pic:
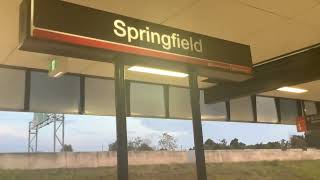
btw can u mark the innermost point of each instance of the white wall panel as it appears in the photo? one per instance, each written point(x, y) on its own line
point(241, 109)
point(99, 96)
point(57, 95)
point(213, 112)
point(310, 108)
point(179, 103)
point(266, 110)
point(12, 89)
point(147, 100)
point(289, 111)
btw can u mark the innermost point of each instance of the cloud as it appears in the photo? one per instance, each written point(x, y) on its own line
point(12, 132)
point(13, 139)
point(153, 129)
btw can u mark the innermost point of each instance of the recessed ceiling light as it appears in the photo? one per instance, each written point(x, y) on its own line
point(292, 90)
point(158, 71)
point(59, 74)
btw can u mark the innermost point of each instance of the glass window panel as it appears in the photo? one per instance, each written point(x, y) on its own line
point(215, 112)
point(147, 100)
point(310, 108)
point(12, 83)
point(241, 109)
point(99, 96)
point(266, 110)
point(179, 103)
point(57, 95)
point(289, 111)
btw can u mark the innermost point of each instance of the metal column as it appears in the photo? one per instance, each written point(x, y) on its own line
point(37, 139)
point(197, 126)
point(122, 149)
point(29, 138)
point(54, 135)
point(32, 138)
point(58, 130)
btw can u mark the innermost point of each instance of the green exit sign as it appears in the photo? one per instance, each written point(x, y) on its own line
point(53, 65)
point(57, 66)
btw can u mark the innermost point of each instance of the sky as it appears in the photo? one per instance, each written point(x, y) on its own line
point(94, 133)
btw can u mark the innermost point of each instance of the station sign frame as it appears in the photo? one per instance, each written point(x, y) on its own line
point(67, 29)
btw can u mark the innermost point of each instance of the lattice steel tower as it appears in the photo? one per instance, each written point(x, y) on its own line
point(41, 120)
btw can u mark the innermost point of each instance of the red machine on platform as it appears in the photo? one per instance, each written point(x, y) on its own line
point(301, 124)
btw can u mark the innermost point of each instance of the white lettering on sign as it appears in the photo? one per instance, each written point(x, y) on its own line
point(166, 41)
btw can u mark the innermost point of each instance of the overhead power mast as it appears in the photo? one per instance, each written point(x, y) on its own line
point(41, 120)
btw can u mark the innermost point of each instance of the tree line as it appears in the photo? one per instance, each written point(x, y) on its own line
point(295, 142)
point(168, 142)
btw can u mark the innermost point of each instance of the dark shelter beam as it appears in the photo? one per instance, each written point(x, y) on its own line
point(121, 121)
point(197, 126)
point(289, 70)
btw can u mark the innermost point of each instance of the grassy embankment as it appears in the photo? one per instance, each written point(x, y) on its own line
point(296, 170)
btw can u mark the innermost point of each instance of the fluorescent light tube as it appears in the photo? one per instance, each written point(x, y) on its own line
point(58, 74)
point(292, 90)
point(158, 71)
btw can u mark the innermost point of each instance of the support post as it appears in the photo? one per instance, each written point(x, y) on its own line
point(62, 136)
point(29, 138)
point(197, 126)
point(300, 106)
point(33, 138)
point(54, 135)
point(228, 110)
point(120, 95)
point(36, 148)
point(58, 127)
point(278, 107)
point(254, 108)
point(318, 107)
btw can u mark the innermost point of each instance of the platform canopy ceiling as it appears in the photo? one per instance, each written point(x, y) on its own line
point(312, 94)
point(270, 27)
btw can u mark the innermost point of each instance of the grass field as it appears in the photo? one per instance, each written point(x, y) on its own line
point(301, 170)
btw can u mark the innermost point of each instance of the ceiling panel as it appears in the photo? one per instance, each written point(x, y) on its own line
point(281, 38)
point(270, 27)
point(99, 69)
point(226, 19)
point(245, 21)
point(28, 60)
point(285, 8)
point(78, 65)
point(311, 17)
point(9, 21)
point(151, 10)
point(312, 94)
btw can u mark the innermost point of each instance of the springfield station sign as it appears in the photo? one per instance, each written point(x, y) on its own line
point(58, 27)
point(167, 42)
